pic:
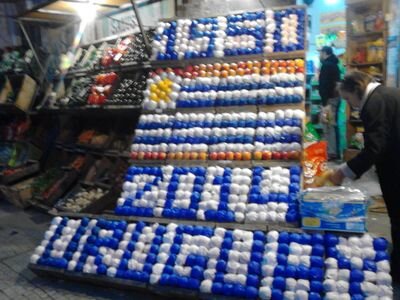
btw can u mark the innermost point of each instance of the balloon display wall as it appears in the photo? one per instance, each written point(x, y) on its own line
point(248, 33)
point(224, 136)
point(265, 82)
point(238, 263)
point(212, 193)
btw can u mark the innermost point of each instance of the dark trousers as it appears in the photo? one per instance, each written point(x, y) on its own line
point(391, 196)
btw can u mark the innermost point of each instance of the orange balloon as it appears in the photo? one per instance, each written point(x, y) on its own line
point(283, 63)
point(232, 72)
point(274, 63)
point(225, 66)
point(256, 70)
point(202, 73)
point(203, 67)
point(196, 68)
point(273, 71)
point(224, 73)
point(282, 70)
point(257, 64)
point(291, 70)
point(242, 64)
point(267, 63)
point(210, 67)
point(209, 74)
point(217, 66)
point(249, 64)
point(234, 66)
point(216, 73)
point(291, 63)
point(247, 71)
point(265, 71)
point(240, 72)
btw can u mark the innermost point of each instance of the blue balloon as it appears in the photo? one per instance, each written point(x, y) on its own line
point(316, 286)
point(251, 292)
point(355, 288)
point(331, 240)
point(283, 249)
point(291, 271)
point(356, 276)
point(344, 263)
point(380, 244)
point(369, 265)
point(217, 288)
point(279, 271)
point(318, 250)
point(277, 294)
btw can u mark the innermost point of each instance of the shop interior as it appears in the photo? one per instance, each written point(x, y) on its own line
point(168, 149)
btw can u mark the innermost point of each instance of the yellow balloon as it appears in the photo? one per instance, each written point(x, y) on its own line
point(153, 87)
point(162, 85)
point(162, 95)
point(154, 97)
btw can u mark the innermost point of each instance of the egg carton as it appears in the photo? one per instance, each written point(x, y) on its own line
point(95, 205)
point(209, 262)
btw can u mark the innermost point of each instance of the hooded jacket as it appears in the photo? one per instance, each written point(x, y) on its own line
point(328, 77)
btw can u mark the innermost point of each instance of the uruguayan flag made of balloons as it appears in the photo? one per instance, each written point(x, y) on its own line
point(248, 33)
point(212, 193)
point(239, 263)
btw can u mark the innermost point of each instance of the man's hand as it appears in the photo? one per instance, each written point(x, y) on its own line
point(336, 177)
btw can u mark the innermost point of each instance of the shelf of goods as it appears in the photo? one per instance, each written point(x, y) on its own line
point(216, 159)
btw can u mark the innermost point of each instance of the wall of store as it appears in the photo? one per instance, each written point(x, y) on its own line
point(318, 9)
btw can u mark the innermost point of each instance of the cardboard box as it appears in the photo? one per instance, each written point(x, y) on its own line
point(334, 209)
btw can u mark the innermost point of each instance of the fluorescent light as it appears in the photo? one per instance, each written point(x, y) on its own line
point(86, 11)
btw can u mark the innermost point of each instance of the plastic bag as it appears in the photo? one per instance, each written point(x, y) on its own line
point(314, 163)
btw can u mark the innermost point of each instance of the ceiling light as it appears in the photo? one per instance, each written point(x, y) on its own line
point(86, 11)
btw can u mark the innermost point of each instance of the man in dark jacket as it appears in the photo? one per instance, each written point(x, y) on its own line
point(328, 77)
point(380, 114)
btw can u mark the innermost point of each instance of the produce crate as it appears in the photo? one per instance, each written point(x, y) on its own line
point(103, 146)
point(19, 194)
point(32, 167)
point(97, 205)
point(58, 188)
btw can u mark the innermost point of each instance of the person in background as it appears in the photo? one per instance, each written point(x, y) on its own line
point(328, 77)
point(380, 113)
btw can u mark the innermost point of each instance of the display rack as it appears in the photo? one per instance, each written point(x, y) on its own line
point(361, 33)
